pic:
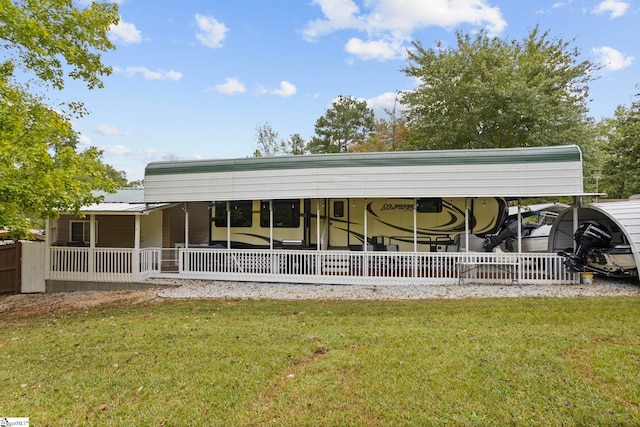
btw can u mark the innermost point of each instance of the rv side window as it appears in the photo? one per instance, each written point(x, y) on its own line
point(286, 213)
point(433, 205)
point(241, 215)
point(338, 209)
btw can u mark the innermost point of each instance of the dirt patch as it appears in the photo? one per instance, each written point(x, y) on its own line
point(33, 304)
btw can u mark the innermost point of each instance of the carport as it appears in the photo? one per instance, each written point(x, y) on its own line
point(622, 218)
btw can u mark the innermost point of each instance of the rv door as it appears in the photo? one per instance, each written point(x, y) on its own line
point(339, 223)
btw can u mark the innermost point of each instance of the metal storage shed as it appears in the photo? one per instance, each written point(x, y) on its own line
point(621, 217)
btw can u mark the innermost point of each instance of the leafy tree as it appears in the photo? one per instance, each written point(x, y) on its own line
point(268, 144)
point(391, 134)
point(489, 93)
point(36, 35)
point(267, 141)
point(118, 177)
point(41, 173)
point(621, 147)
point(295, 145)
point(347, 123)
point(44, 43)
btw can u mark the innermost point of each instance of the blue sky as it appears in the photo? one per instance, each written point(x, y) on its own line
point(193, 79)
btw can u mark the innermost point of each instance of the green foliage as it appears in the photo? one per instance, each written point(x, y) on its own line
point(488, 362)
point(119, 178)
point(295, 145)
point(621, 149)
point(36, 35)
point(41, 172)
point(490, 93)
point(347, 123)
point(391, 134)
point(268, 144)
point(267, 141)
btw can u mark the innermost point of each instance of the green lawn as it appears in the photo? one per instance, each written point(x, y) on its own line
point(234, 362)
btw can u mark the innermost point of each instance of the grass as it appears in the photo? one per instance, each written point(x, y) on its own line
point(234, 362)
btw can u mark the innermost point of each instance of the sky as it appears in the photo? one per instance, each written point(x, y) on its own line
point(195, 79)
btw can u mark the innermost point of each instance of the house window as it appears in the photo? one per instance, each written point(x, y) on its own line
point(80, 232)
point(241, 215)
point(286, 213)
point(338, 209)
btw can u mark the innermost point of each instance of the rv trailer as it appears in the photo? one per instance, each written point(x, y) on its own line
point(432, 224)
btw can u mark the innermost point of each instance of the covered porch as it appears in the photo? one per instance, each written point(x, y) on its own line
point(171, 241)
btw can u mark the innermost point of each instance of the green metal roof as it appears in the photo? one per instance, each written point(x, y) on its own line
point(566, 153)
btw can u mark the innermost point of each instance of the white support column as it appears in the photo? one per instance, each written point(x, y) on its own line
point(136, 249)
point(186, 225)
point(365, 263)
point(228, 225)
point(366, 232)
point(318, 244)
point(520, 272)
point(92, 231)
point(519, 226)
point(466, 224)
point(318, 247)
point(415, 225)
point(575, 206)
point(47, 242)
point(415, 238)
point(92, 247)
point(270, 224)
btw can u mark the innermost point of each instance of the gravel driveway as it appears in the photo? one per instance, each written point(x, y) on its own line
point(252, 290)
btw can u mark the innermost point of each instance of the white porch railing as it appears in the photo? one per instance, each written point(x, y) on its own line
point(302, 266)
point(102, 264)
point(346, 267)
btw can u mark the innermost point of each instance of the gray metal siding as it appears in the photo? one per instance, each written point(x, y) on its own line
point(507, 180)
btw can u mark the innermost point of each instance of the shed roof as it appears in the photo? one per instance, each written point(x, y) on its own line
point(127, 201)
point(513, 172)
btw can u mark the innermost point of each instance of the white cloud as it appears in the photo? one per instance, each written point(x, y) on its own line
point(230, 86)
point(378, 49)
point(150, 74)
point(611, 58)
point(125, 33)
point(108, 130)
point(615, 8)
point(210, 32)
point(389, 101)
point(285, 90)
point(389, 24)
